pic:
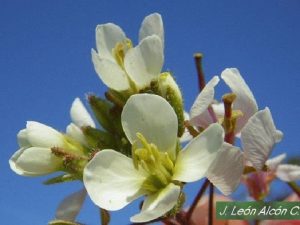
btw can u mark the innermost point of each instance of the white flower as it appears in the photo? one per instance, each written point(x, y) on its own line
point(245, 101)
point(256, 128)
point(70, 207)
point(156, 168)
point(285, 172)
point(258, 139)
point(122, 67)
point(34, 158)
point(80, 117)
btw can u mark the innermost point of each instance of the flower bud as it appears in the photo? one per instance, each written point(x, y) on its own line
point(169, 90)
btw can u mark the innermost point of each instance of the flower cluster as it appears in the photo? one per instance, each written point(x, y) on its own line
point(142, 143)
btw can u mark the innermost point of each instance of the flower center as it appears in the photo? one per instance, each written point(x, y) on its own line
point(157, 164)
point(120, 50)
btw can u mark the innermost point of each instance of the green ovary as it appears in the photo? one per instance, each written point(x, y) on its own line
point(157, 164)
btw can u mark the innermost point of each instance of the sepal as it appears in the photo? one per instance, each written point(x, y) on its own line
point(98, 139)
point(61, 179)
point(63, 222)
point(101, 109)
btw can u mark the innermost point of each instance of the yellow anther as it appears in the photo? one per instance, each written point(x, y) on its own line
point(156, 163)
point(229, 98)
point(143, 141)
point(120, 50)
point(236, 114)
point(142, 154)
point(168, 163)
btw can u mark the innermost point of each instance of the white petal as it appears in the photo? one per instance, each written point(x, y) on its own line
point(22, 138)
point(34, 162)
point(245, 100)
point(80, 115)
point(198, 113)
point(186, 136)
point(226, 170)
point(111, 74)
point(40, 135)
point(13, 160)
point(154, 118)
point(158, 204)
point(275, 162)
point(111, 180)
point(69, 208)
point(144, 62)
point(152, 24)
point(288, 173)
point(258, 138)
point(75, 132)
point(107, 36)
point(194, 160)
point(219, 109)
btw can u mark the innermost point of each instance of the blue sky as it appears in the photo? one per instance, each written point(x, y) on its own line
point(45, 63)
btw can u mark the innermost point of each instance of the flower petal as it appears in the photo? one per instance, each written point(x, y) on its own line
point(75, 132)
point(226, 170)
point(193, 161)
point(144, 62)
point(22, 138)
point(186, 136)
point(111, 74)
point(13, 160)
point(275, 162)
point(111, 180)
point(80, 115)
point(198, 113)
point(107, 36)
point(219, 109)
point(245, 100)
point(34, 162)
point(69, 208)
point(154, 118)
point(152, 24)
point(258, 137)
point(40, 135)
point(158, 204)
point(288, 173)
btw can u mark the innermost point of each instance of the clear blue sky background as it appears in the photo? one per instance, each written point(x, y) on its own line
point(45, 63)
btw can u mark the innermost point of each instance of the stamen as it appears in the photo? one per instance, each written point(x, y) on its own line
point(156, 163)
point(229, 122)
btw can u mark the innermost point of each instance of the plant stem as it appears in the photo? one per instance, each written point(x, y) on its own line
point(294, 187)
point(211, 204)
point(196, 200)
point(198, 62)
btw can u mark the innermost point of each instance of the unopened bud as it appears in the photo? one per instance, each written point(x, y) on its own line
point(101, 109)
point(169, 90)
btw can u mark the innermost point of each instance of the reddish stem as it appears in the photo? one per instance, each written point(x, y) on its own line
point(198, 62)
point(211, 205)
point(196, 200)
